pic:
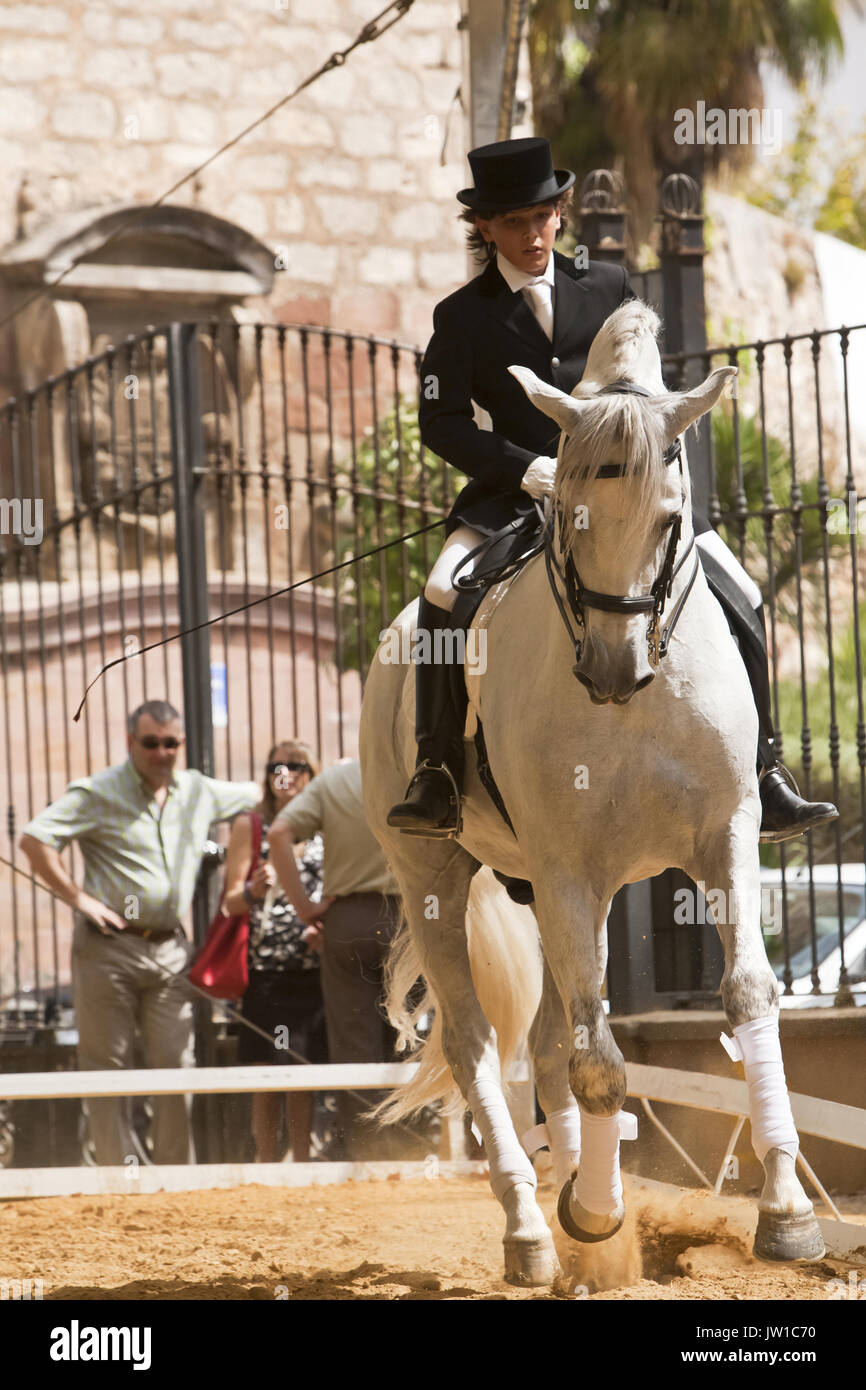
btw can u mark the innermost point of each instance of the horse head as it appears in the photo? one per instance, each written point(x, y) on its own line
point(622, 498)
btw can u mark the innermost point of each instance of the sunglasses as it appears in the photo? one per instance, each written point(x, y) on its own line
point(150, 742)
point(290, 767)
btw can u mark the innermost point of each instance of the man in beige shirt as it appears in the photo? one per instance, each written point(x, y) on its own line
point(359, 913)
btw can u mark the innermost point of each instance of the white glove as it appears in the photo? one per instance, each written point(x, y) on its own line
point(539, 477)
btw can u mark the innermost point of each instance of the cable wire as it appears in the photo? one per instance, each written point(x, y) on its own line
point(265, 598)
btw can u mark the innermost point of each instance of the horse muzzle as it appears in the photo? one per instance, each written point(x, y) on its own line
point(613, 686)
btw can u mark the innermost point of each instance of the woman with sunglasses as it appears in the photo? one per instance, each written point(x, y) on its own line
point(285, 988)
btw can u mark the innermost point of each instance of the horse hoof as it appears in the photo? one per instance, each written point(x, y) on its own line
point(570, 1226)
point(530, 1263)
point(781, 1239)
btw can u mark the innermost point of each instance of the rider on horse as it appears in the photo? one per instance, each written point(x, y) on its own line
point(535, 308)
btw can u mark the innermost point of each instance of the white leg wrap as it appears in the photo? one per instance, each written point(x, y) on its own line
point(561, 1135)
point(563, 1128)
point(598, 1185)
point(756, 1044)
point(508, 1162)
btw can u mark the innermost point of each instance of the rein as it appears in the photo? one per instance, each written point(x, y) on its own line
point(578, 597)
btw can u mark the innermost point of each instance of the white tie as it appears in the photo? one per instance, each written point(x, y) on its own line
point(539, 298)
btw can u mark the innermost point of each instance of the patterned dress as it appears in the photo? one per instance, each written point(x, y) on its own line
point(276, 934)
point(285, 991)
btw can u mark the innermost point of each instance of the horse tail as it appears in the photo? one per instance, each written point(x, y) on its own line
point(505, 959)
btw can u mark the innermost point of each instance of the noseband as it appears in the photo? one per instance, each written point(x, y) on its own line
point(579, 597)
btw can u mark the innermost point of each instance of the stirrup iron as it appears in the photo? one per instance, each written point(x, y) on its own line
point(443, 832)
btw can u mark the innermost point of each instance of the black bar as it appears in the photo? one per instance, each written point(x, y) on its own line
point(187, 456)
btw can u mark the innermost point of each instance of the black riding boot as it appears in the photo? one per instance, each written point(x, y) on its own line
point(785, 814)
point(432, 803)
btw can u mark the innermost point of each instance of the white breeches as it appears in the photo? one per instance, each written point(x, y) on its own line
point(440, 591)
point(713, 544)
point(438, 588)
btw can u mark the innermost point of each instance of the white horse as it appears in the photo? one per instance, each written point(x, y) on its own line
point(653, 767)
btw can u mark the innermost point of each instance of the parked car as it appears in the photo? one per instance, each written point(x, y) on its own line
point(25, 1013)
point(798, 890)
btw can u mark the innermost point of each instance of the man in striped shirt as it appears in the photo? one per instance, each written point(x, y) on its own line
point(141, 827)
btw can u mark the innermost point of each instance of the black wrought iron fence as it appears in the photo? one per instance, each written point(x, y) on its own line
point(788, 477)
point(187, 473)
point(194, 470)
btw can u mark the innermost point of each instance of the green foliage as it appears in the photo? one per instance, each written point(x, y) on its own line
point(790, 716)
point(818, 697)
point(790, 186)
point(390, 464)
point(611, 103)
point(753, 556)
point(751, 458)
point(797, 185)
point(843, 213)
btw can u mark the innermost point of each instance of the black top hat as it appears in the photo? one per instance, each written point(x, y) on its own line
point(513, 174)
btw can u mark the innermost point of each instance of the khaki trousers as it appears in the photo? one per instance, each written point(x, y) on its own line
point(119, 991)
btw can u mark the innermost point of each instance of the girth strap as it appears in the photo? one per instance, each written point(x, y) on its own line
point(487, 778)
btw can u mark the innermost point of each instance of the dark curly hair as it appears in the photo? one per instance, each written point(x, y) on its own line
point(486, 250)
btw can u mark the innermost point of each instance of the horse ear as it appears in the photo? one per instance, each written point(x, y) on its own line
point(683, 408)
point(565, 410)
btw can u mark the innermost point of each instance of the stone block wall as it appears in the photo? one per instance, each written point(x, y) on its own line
point(352, 183)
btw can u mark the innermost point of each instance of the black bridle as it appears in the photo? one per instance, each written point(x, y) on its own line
point(578, 597)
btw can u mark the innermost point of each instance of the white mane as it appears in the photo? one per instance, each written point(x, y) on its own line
point(617, 427)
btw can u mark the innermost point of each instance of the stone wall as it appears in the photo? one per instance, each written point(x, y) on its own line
point(352, 183)
point(765, 279)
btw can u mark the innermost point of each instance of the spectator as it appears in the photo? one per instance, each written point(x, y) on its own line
point(285, 986)
point(141, 827)
point(359, 912)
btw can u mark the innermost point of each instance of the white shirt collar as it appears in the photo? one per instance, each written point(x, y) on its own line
point(518, 279)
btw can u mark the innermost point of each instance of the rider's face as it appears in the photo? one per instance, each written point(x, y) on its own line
point(525, 237)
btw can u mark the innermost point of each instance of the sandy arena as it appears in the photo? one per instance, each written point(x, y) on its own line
point(397, 1240)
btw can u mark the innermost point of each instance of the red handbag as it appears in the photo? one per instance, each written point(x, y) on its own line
point(221, 968)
